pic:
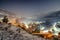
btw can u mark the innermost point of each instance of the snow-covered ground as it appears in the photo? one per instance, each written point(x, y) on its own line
point(14, 35)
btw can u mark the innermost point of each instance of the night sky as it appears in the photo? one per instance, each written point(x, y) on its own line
point(29, 8)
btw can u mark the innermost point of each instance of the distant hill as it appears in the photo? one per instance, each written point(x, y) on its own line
point(5, 12)
point(52, 16)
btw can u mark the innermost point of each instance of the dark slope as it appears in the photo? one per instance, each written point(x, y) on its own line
point(54, 15)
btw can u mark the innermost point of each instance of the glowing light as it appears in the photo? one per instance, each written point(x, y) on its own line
point(26, 26)
point(45, 31)
point(54, 26)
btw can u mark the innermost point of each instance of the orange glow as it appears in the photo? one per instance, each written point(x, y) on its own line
point(48, 35)
point(13, 22)
point(30, 29)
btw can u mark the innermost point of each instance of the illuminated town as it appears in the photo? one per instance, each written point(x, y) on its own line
point(41, 29)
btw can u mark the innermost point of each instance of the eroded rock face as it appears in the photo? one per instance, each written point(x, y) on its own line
point(12, 34)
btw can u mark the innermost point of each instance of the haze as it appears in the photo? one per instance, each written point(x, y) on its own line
point(34, 8)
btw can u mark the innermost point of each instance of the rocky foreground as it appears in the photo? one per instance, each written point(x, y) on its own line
point(12, 34)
